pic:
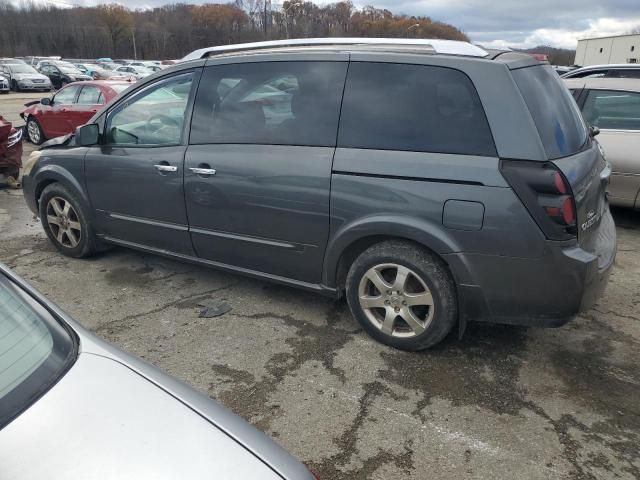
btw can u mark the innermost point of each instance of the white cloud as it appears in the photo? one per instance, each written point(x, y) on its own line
point(602, 27)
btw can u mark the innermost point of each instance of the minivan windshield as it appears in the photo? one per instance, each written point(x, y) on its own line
point(34, 351)
point(557, 117)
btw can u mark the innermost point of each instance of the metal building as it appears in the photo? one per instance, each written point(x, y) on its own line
point(605, 50)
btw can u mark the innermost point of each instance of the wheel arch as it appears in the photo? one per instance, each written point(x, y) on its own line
point(56, 174)
point(352, 239)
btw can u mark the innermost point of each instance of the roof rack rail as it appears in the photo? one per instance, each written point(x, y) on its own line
point(450, 47)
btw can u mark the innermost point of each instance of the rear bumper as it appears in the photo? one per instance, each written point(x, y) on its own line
point(545, 292)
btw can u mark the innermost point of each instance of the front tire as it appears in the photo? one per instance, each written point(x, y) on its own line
point(34, 131)
point(402, 295)
point(65, 221)
point(14, 86)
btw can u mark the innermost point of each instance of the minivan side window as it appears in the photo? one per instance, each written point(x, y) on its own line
point(269, 103)
point(613, 110)
point(153, 117)
point(417, 108)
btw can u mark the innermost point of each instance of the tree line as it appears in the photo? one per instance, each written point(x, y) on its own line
point(173, 30)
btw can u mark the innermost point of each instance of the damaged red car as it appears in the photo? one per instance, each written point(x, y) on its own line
point(10, 152)
point(69, 108)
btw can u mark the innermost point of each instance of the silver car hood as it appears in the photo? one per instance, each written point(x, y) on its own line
point(96, 383)
point(104, 421)
point(29, 76)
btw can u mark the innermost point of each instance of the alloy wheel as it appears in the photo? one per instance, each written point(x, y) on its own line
point(396, 300)
point(64, 222)
point(34, 131)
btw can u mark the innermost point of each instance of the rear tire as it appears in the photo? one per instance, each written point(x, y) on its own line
point(65, 221)
point(402, 295)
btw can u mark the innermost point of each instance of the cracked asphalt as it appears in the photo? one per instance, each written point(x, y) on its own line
point(504, 402)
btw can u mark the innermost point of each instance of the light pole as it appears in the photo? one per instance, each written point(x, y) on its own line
point(417, 25)
point(293, 3)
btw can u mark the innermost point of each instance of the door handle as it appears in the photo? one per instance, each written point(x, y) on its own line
point(166, 168)
point(206, 172)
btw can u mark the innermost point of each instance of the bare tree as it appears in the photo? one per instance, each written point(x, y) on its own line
point(173, 30)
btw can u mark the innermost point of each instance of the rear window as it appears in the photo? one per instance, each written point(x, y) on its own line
point(554, 111)
point(418, 108)
point(34, 351)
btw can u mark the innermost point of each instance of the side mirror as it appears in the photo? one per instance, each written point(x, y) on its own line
point(46, 101)
point(87, 135)
point(594, 131)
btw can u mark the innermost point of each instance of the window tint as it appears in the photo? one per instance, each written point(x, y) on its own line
point(66, 96)
point(553, 109)
point(613, 110)
point(34, 351)
point(588, 74)
point(622, 73)
point(153, 117)
point(89, 96)
point(414, 108)
point(279, 103)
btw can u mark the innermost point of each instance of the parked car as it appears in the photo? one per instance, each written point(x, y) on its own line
point(4, 83)
point(70, 107)
point(24, 77)
point(10, 152)
point(4, 61)
point(119, 416)
point(624, 70)
point(613, 106)
point(137, 72)
point(98, 73)
point(61, 73)
point(562, 69)
point(430, 182)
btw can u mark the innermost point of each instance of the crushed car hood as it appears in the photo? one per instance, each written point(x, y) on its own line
point(104, 421)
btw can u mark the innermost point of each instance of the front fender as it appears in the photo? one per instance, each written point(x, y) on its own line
point(55, 173)
point(431, 235)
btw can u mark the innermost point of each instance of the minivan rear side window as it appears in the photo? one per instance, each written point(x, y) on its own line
point(269, 103)
point(554, 111)
point(389, 106)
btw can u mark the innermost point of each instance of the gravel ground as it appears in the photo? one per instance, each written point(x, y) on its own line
point(504, 402)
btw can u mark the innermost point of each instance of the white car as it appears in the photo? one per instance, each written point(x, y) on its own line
point(134, 70)
point(4, 84)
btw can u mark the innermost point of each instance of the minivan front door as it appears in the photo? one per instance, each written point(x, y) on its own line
point(258, 167)
point(135, 177)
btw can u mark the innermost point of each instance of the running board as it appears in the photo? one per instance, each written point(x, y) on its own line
point(313, 287)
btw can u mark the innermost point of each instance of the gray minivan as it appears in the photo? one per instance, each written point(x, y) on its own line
point(431, 182)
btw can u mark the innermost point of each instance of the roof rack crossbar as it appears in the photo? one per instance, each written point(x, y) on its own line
point(450, 47)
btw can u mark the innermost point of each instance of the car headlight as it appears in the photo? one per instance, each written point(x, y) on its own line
point(30, 162)
point(14, 137)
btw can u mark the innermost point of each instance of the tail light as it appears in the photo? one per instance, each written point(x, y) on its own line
point(546, 194)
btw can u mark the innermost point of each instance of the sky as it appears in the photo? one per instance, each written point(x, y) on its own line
point(497, 23)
